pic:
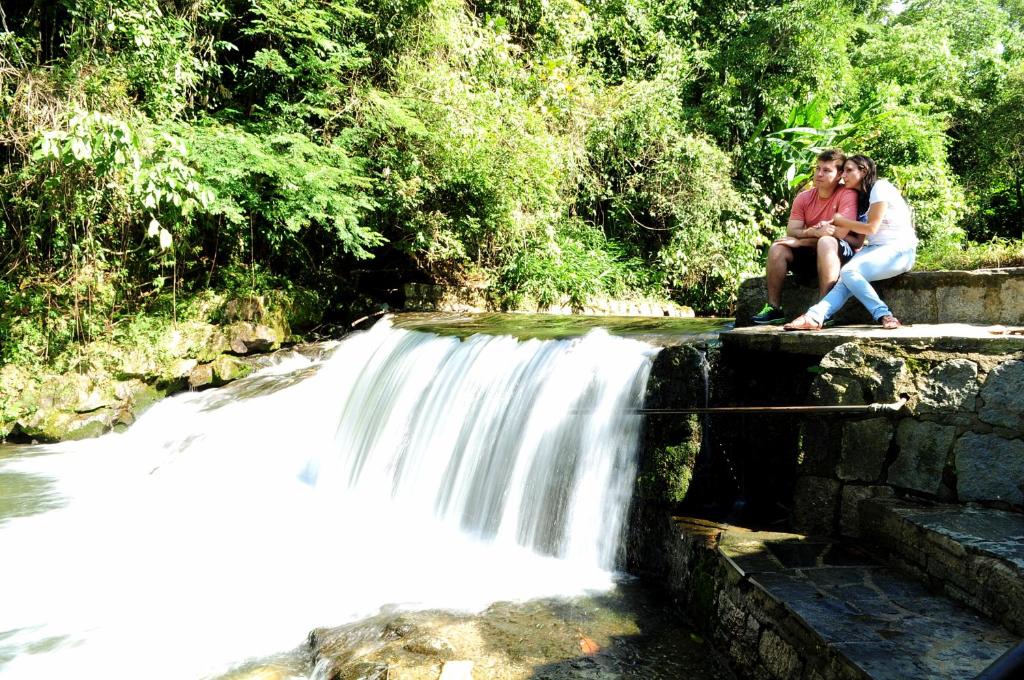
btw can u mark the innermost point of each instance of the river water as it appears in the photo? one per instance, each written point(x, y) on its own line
point(397, 470)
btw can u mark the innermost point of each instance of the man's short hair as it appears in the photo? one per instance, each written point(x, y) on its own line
point(834, 155)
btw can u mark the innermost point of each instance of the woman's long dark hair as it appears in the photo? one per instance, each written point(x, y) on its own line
point(867, 182)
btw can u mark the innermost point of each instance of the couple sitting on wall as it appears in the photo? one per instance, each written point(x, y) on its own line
point(828, 226)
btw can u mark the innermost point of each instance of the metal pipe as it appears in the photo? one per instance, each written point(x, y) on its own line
point(859, 408)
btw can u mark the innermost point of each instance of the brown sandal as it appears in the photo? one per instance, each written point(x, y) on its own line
point(802, 323)
point(890, 322)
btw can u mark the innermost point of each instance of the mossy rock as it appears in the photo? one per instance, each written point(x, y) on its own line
point(666, 471)
point(227, 369)
point(289, 311)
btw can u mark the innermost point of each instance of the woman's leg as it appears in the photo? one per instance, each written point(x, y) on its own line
point(874, 263)
point(832, 302)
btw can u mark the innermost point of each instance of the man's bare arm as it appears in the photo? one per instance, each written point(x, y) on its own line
point(796, 229)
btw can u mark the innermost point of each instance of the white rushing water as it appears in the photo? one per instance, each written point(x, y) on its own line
point(405, 469)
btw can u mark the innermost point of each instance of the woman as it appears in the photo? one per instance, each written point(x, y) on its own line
point(891, 248)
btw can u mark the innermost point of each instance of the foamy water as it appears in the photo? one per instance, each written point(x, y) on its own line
point(405, 469)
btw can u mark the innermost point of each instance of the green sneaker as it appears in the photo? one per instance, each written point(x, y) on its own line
point(769, 314)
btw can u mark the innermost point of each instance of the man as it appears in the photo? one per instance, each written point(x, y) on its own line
point(809, 242)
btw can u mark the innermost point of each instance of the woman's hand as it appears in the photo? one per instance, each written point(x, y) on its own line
point(823, 228)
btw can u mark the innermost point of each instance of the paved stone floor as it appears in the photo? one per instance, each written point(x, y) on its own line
point(887, 625)
point(978, 530)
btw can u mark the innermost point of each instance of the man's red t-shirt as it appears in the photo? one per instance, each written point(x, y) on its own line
point(811, 208)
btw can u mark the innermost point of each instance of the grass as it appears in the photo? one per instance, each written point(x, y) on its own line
point(998, 252)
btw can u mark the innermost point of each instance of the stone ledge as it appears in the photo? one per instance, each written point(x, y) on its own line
point(974, 555)
point(944, 337)
point(983, 296)
point(790, 607)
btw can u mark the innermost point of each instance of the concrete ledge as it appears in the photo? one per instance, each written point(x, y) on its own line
point(945, 337)
point(790, 607)
point(974, 555)
point(984, 296)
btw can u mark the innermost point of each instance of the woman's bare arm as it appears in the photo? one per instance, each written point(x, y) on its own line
point(875, 214)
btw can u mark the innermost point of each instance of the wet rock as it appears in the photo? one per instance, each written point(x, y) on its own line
point(865, 445)
point(989, 468)
point(201, 376)
point(227, 369)
point(924, 450)
point(952, 385)
point(1003, 396)
point(245, 337)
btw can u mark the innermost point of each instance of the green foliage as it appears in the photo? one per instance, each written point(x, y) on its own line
point(140, 42)
point(284, 184)
point(576, 264)
point(301, 53)
point(156, 152)
point(670, 191)
point(998, 252)
point(995, 164)
point(791, 152)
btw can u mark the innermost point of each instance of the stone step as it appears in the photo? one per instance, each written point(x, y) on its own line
point(975, 555)
point(790, 607)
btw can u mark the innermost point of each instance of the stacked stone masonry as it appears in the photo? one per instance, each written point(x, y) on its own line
point(959, 437)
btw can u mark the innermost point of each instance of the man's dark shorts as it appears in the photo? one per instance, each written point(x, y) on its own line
point(805, 261)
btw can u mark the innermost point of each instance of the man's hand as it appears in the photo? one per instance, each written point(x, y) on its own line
point(824, 228)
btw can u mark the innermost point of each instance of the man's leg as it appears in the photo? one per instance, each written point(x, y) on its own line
point(828, 264)
point(779, 258)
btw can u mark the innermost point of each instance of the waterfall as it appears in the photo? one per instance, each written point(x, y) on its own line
point(402, 469)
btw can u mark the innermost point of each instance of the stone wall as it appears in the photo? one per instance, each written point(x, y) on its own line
point(960, 437)
point(985, 296)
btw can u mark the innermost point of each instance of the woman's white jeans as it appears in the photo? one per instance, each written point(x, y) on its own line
point(872, 263)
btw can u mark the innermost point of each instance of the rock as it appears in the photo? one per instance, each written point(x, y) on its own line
point(227, 368)
point(1003, 396)
point(245, 337)
point(882, 377)
point(836, 390)
point(52, 425)
point(865, 445)
point(849, 513)
point(201, 376)
point(193, 339)
point(430, 646)
point(137, 364)
point(989, 468)
point(182, 368)
point(924, 450)
point(952, 385)
point(137, 395)
point(778, 656)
